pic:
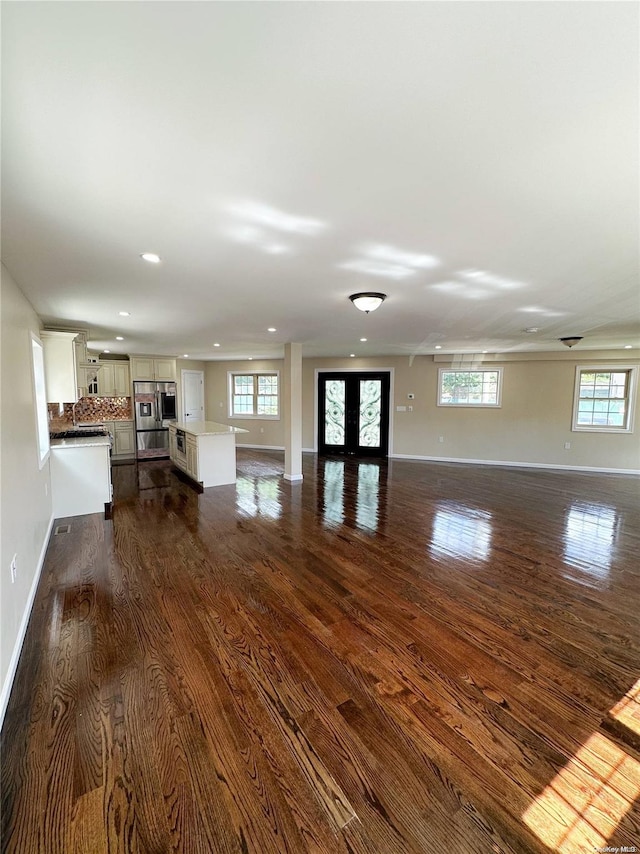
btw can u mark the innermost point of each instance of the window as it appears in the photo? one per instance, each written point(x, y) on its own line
point(603, 400)
point(40, 398)
point(254, 395)
point(469, 388)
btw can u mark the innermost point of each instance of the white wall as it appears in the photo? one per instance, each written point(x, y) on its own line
point(531, 427)
point(25, 493)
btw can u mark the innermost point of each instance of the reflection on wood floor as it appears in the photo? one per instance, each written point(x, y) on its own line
point(389, 658)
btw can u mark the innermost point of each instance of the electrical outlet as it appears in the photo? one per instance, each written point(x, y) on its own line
point(567, 446)
point(14, 568)
point(440, 438)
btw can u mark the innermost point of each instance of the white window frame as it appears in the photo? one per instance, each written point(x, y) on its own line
point(40, 408)
point(632, 370)
point(493, 369)
point(247, 416)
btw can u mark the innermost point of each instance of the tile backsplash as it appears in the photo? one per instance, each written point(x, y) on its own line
point(90, 410)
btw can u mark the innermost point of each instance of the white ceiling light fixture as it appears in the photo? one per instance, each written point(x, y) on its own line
point(106, 351)
point(272, 329)
point(363, 339)
point(119, 338)
point(570, 340)
point(352, 355)
point(216, 344)
point(151, 257)
point(628, 346)
point(368, 300)
point(124, 313)
point(185, 355)
point(531, 329)
point(438, 347)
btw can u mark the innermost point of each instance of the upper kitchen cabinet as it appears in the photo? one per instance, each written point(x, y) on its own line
point(60, 369)
point(154, 368)
point(114, 379)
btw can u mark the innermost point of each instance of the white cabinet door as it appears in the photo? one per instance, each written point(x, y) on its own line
point(164, 369)
point(149, 368)
point(124, 444)
point(106, 382)
point(60, 366)
point(142, 369)
point(192, 459)
point(121, 379)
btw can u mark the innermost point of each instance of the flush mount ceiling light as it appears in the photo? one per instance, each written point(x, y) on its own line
point(151, 257)
point(571, 340)
point(119, 338)
point(368, 300)
point(124, 313)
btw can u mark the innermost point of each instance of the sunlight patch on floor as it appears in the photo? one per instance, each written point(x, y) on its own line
point(586, 801)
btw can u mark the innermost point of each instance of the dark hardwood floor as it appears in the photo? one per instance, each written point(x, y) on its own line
point(386, 658)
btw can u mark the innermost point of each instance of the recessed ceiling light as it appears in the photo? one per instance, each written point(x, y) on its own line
point(251, 358)
point(185, 355)
point(438, 347)
point(124, 313)
point(216, 344)
point(106, 351)
point(151, 257)
point(485, 351)
point(119, 338)
point(272, 329)
point(353, 355)
point(628, 346)
point(363, 339)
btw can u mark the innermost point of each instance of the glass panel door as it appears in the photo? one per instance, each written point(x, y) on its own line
point(334, 412)
point(353, 413)
point(370, 413)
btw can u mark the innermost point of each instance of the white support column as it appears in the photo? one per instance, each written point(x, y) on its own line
point(292, 406)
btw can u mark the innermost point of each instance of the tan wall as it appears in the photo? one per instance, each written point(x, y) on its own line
point(261, 431)
point(24, 504)
point(532, 425)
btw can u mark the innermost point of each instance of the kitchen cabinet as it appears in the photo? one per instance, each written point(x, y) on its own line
point(113, 379)
point(192, 457)
point(209, 455)
point(80, 476)
point(123, 440)
point(153, 368)
point(124, 445)
point(60, 370)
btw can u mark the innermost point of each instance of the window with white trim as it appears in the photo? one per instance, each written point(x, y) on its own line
point(254, 395)
point(480, 387)
point(603, 398)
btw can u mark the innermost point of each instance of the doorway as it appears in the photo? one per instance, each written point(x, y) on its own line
point(193, 395)
point(353, 413)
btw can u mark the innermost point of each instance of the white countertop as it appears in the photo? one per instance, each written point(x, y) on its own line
point(207, 428)
point(80, 442)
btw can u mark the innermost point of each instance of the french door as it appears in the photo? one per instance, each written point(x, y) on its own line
point(353, 413)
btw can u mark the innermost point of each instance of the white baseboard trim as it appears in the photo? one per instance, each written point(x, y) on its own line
point(513, 464)
point(261, 447)
point(294, 478)
point(17, 647)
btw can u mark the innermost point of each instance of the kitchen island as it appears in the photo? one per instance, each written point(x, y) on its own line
point(205, 451)
point(81, 476)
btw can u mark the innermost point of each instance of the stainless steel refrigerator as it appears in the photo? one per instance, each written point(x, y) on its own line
point(155, 408)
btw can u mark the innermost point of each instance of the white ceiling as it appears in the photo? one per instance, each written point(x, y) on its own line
point(477, 162)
